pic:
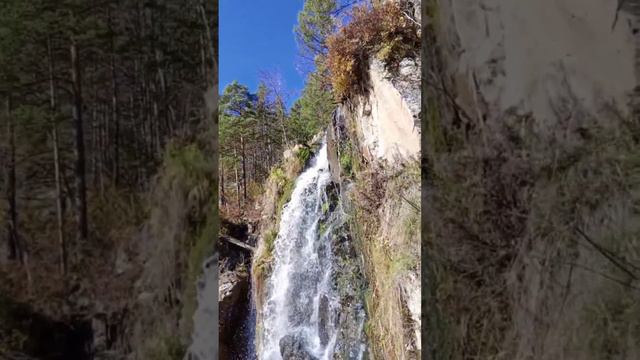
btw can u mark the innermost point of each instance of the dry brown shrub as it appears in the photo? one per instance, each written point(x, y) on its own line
point(384, 30)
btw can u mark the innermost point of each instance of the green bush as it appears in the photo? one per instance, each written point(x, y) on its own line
point(346, 163)
point(303, 155)
point(278, 175)
point(325, 208)
point(285, 196)
point(188, 162)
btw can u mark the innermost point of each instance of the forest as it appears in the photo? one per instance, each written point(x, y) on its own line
point(96, 96)
point(255, 129)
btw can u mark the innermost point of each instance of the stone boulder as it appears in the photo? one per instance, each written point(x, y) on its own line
point(292, 347)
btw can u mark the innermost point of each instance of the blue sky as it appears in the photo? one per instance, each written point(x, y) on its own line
point(258, 35)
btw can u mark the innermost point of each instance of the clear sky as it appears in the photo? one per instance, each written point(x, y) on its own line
point(257, 35)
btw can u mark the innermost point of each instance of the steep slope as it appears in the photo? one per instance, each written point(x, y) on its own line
point(531, 163)
point(382, 191)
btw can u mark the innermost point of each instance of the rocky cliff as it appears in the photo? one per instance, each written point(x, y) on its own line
point(374, 144)
point(387, 118)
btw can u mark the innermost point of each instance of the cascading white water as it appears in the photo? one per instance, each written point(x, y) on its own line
point(301, 301)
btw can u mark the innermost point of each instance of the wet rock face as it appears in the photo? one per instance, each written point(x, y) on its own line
point(233, 293)
point(324, 320)
point(292, 347)
point(349, 281)
point(235, 313)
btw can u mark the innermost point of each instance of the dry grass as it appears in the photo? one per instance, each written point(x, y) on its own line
point(386, 225)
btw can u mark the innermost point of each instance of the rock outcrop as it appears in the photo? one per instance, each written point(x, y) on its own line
point(233, 298)
point(388, 116)
point(236, 321)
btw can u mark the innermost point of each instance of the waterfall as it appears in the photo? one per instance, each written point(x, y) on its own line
point(302, 315)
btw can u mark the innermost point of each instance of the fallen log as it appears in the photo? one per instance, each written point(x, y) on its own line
point(238, 243)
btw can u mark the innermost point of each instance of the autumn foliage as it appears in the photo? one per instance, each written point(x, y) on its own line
point(383, 30)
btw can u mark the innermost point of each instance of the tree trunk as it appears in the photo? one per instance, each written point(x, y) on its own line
point(203, 56)
point(95, 154)
point(265, 135)
point(114, 110)
point(222, 198)
point(56, 163)
point(281, 114)
point(59, 201)
point(156, 122)
point(256, 167)
point(164, 116)
point(103, 126)
point(99, 127)
point(235, 153)
point(81, 188)
point(244, 170)
point(208, 31)
point(12, 218)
